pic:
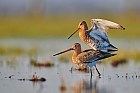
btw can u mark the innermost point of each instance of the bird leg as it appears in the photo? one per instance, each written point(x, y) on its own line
point(91, 83)
point(98, 71)
point(71, 69)
point(91, 72)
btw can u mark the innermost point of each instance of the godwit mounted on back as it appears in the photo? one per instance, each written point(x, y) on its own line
point(87, 57)
point(96, 37)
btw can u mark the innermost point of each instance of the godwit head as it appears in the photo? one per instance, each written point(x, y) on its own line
point(82, 27)
point(87, 57)
point(77, 50)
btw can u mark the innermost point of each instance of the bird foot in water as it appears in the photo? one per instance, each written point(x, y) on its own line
point(85, 69)
point(82, 69)
point(71, 70)
point(99, 76)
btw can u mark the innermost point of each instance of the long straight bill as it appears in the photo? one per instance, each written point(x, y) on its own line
point(63, 51)
point(73, 33)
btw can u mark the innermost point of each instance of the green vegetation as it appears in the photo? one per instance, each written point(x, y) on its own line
point(17, 51)
point(40, 26)
point(126, 55)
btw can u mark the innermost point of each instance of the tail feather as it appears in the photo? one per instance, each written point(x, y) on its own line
point(112, 47)
point(111, 50)
point(121, 27)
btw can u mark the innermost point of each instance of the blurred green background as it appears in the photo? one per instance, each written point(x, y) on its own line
point(50, 18)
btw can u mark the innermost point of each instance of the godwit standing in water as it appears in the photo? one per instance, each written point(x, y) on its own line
point(87, 57)
point(96, 37)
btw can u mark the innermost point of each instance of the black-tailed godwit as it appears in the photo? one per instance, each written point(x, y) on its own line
point(87, 57)
point(96, 36)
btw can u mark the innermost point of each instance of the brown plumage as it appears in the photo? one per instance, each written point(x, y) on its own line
point(87, 57)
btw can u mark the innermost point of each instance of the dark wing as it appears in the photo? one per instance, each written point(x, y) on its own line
point(98, 55)
point(85, 55)
point(92, 55)
point(88, 50)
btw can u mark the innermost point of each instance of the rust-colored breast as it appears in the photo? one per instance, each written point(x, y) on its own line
point(82, 35)
point(74, 58)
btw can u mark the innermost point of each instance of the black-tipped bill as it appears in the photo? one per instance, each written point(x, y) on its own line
point(122, 28)
point(73, 33)
point(63, 51)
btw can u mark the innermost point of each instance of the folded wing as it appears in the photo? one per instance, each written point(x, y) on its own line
point(91, 55)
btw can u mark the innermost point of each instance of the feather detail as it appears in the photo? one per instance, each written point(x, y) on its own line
point(105, 24)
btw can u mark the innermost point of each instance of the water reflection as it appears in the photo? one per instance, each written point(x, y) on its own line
point(41, 86)
point(63, 86)
point(89, 86)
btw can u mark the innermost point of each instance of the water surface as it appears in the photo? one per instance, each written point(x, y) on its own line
point(122, 79)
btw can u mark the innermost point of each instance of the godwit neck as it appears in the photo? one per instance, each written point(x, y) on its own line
point(82, 28)
point(77, 51)
point(82, 32)
point(83, 25)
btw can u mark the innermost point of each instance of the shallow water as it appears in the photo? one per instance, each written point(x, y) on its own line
point(122, 79)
